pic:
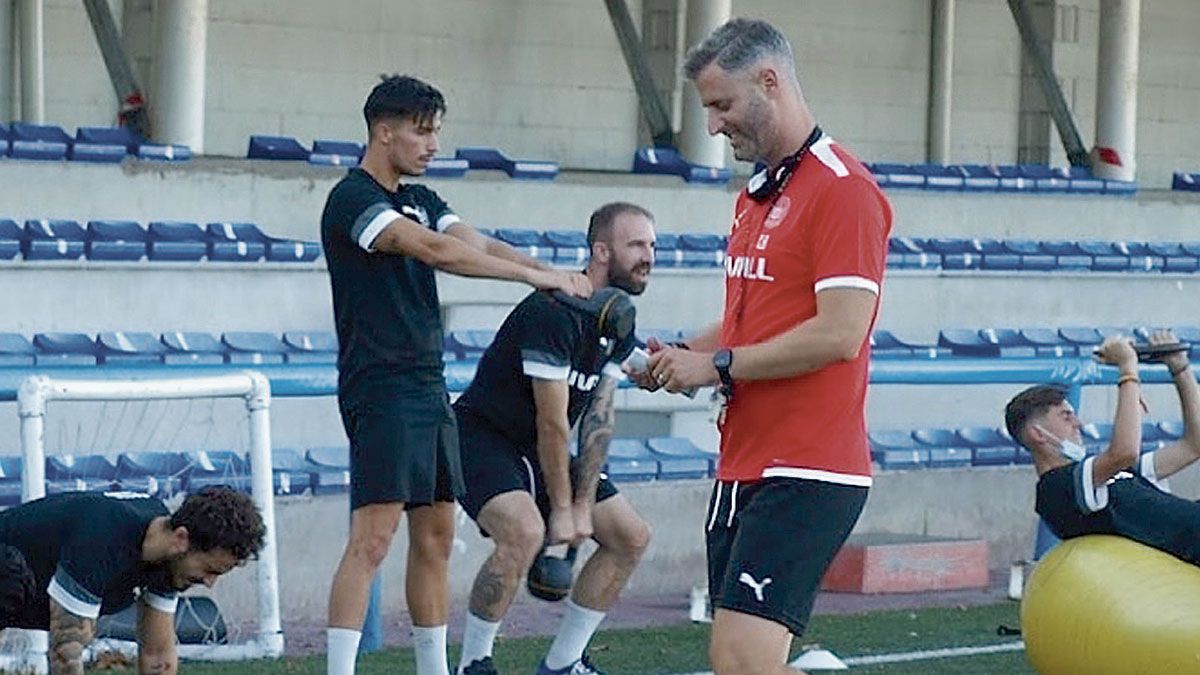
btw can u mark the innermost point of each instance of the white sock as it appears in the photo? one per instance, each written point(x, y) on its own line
point(341, 646)
point(429, 643)
point(573, 635)
point(479, 637)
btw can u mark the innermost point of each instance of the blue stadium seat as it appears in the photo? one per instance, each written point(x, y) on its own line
point(311, 346)
point(529, 242)
point(129, 348)
point(1032, 257)
point(5, 140)
point(235, 242)
point(892, 460)
point(470, 344)
point(570, 246)
point(446, 167)
point(1013, 180)
point(53, 240)
point(1046, 178)
point(1047, 342)
point(246, 347)
point(191, 348)
point(11, 236)
point(1105, 256)
point(980, 178)
point(332, 472)
point(16, 350)
point(292, 474)
point(983, 437)
point(11, 468)
point(168, 470)
point(491, 158)
point(39, 141)
point(702, 250)
point(164, 153)
point(1067, 254)
point(336, 153)
point(890, 174)
point(320, 159)
point(909, 253)
point(966, 342)
point(218, 467)
point(891, 439)
point(1081, 181)
point(999, 455)
point(292, 250)
point(123, 136)
point(949, 458)
point(73, 473)
point(1171, 430)
point(1189, 182)
point(1083, 338)
point(459, 374)
point(629, 459)
point(955, 253)
point(708, 175)
point(679, 458)
point(886, 345)
point(937, 438)
point(172, 240)
point(662, 160)
point(938, 177)
point(64, 349)
point(276, 147)
point(666, 250)
point(102, 154)
point(1141, 257)
point(1010, 341)
point(115, 240)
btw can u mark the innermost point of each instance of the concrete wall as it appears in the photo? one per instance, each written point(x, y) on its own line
point(545, 78)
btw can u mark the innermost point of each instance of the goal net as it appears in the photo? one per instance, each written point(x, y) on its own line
point(26, 651)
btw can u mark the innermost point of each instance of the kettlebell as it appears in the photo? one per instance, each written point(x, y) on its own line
point(610, 307)
point(550, 577)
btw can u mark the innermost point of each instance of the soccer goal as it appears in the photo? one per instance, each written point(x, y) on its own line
point(26, 651)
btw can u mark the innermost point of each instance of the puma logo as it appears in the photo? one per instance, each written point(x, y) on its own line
point(758, 587)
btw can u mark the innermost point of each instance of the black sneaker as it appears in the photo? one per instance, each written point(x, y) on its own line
point(581, 667)
point(480, 667)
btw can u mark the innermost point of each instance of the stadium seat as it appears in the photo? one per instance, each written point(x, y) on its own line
point(1189, 182)
point(64, 349)
point(218, 467)
point(16, 350)
point(129, 348)
point(1013, 180)
point(900, 460)
point(1010, 341)
point(980, 178)
point(276, 147)
point(1081, 181)
point(666, 160)
point(292, 250)
point(332, 472)
point(702, 250)
point(89, 152)
point(938, 177)
point(491, 158)
point(172, 240)
point(53, 240)
point(1067, 254)
point(38, 141)
point(1047, 342)
point(446, 167)
point(11, 468)
point(679, 458)
point(666, 250)
point(1105, 256)
point(164, 153)
point(908, 253)
point(72, 473)
point(168, 470)
point(1170, 430)
point(889, 174)
point(997, 455)
point(11, 236)
point(629, 459)
point(459, 375)
point(967, 342)
point(292, 474)
point(336, 153)
point(1046, 178)
point(949, 458)
point(470, 344)
point(529, 242)
point(115, 240)
point(123, 136)
point(190, 349)
point(235, 242)
point(246, 347)
point(891, 439)
point(5, 140)
point(1083, 338)
point(937, 438)
point(886, 345)
point(570, 246)
point(311, 347)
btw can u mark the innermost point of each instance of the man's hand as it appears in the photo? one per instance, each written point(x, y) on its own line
point(1177, 361)
point(643, 378)
point(581, 512)
point(676, 369)
point(573, 283)
point(560, 528)
point(1118, 351)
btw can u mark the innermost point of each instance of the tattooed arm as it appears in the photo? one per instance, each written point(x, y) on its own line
point(156, 641)
point(595, 431)
point(69, 634)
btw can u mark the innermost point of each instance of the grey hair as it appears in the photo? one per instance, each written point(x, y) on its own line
point(738, 44)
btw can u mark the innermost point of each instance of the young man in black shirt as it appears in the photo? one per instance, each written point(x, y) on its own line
point(1116, 491)
point(68, 558)
point(383, 239)
point(548, 368)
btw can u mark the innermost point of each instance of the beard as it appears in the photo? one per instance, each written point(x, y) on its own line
point(624, 280)
point(754, 132)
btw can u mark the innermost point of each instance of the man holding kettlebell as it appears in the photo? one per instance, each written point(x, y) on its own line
point(554, 362)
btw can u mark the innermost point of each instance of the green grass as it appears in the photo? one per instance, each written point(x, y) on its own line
point(683, 648)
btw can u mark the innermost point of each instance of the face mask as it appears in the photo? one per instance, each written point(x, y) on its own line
point(1069, 449)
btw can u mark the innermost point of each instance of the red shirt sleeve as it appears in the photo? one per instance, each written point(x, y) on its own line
point(849, 239)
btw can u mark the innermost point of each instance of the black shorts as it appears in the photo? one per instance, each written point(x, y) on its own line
point(769, 543)
point(492, 465)
point(403, 447)
point(17, 587)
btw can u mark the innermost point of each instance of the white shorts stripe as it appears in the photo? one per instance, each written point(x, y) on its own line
point(848, 281)
point(817, 475)
point(367, 239)
point(716, 506)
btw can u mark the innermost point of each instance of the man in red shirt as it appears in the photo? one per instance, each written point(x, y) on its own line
point(804, 267)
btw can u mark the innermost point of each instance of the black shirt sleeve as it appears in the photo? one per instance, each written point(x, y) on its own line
point(549, 336)
point(363, 211)
point(440, 214)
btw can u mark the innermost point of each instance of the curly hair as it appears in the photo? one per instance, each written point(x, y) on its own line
point(405, 97)
point(221, 517)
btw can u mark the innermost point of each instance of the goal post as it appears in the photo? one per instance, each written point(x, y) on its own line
point(252, 387)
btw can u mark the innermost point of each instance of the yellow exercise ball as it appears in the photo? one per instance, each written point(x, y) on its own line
point(1105, 605)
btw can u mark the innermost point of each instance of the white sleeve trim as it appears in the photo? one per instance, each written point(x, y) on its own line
point(367, 239)
point(848, 281)
point(1146, 469)
point(71, 603)
point(1096, 498)
point(161, 603)
point(447, 220)
point(545, 371)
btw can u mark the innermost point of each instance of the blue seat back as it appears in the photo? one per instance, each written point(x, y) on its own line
point(109, 136)
point(276, 147)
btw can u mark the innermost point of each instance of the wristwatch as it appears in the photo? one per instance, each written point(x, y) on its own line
point(722, 360)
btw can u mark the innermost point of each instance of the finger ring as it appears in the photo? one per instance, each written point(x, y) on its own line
point(662, 379)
